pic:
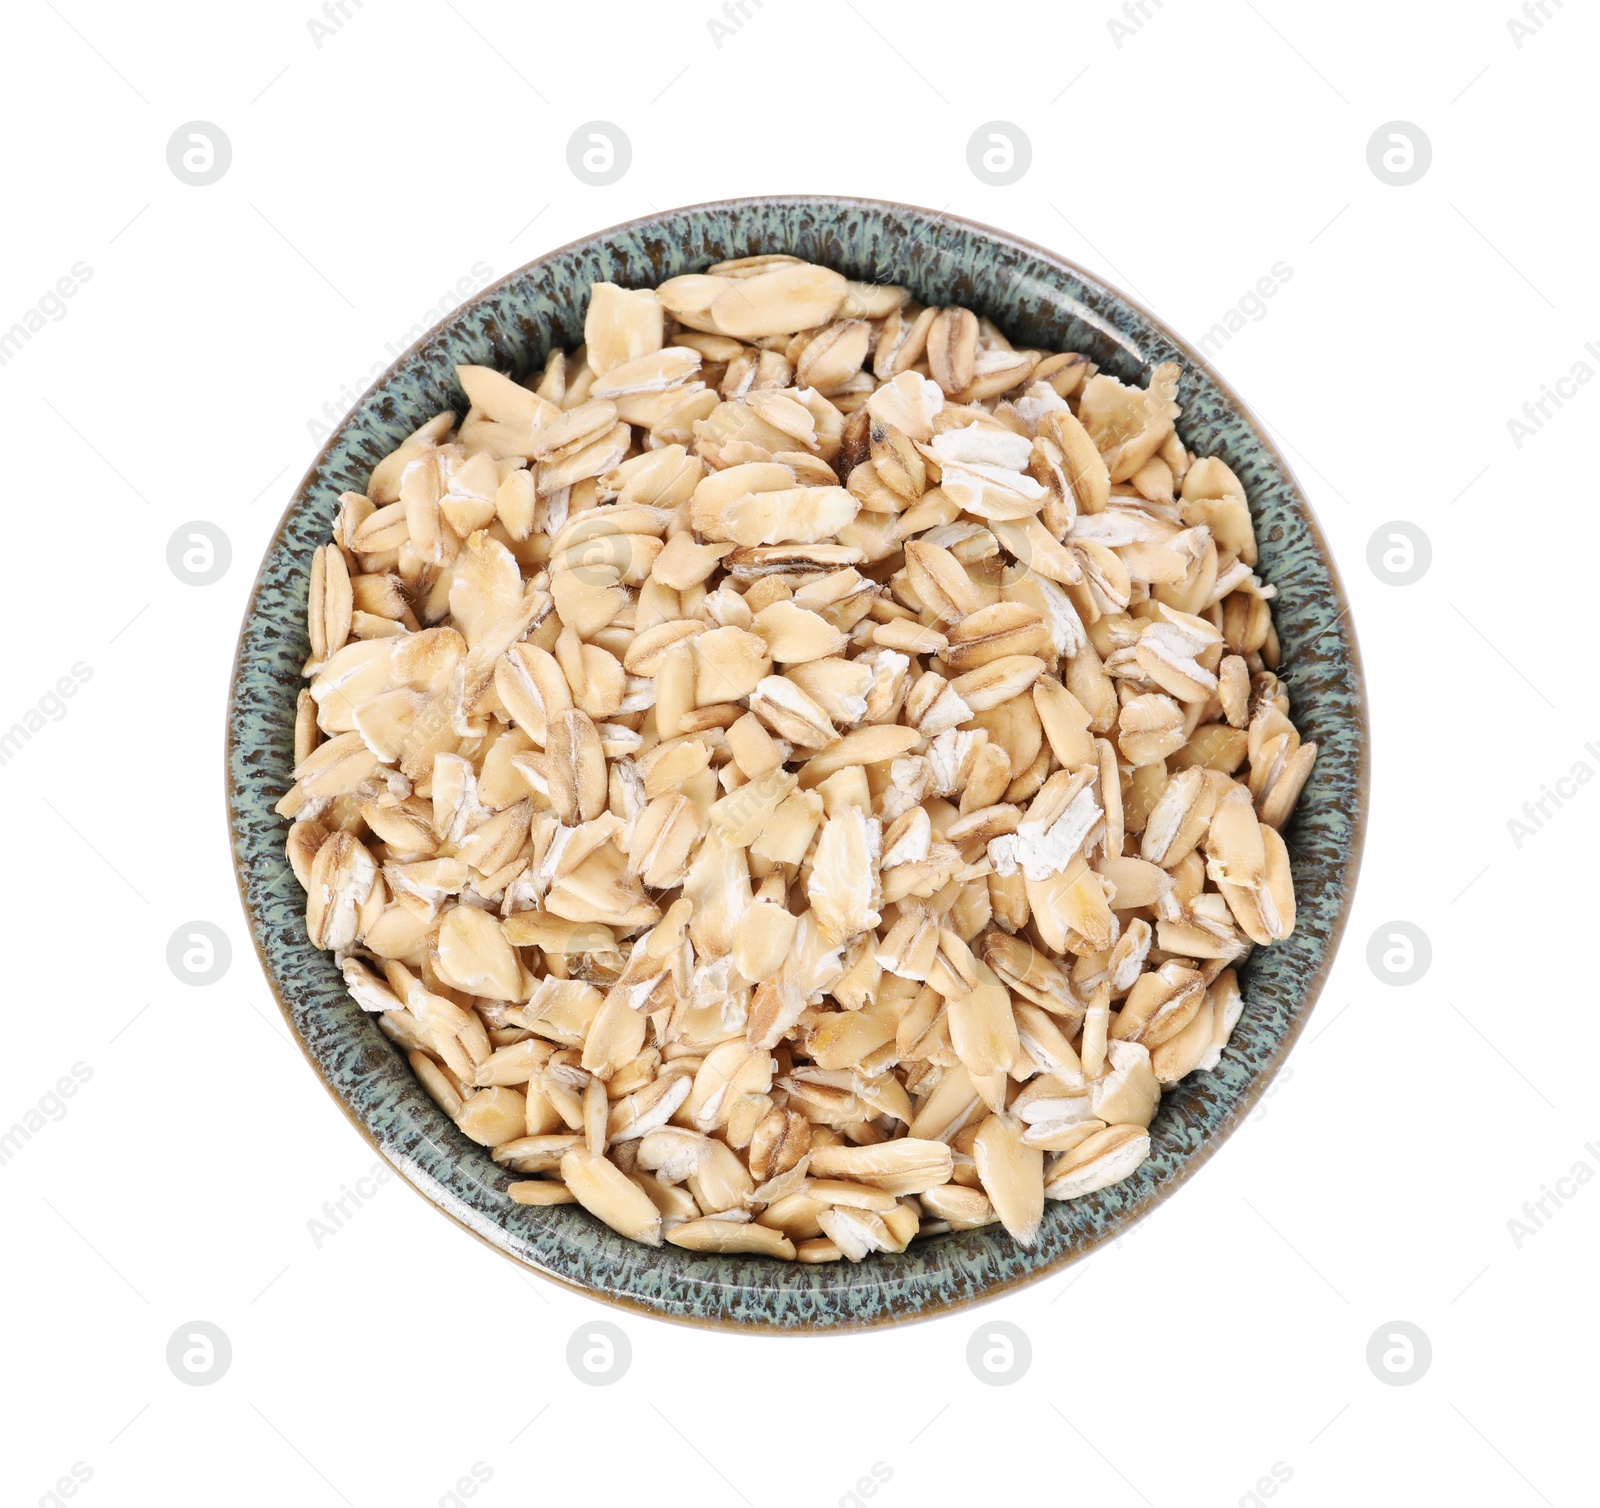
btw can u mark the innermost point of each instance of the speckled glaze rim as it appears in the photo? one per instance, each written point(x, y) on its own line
point(952, 260)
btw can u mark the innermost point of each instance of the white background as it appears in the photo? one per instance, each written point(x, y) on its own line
point(1181, 160)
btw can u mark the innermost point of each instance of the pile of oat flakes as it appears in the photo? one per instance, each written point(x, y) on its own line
point(798, 772)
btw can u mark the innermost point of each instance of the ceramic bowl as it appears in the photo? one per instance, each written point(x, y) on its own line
point(1038, 299)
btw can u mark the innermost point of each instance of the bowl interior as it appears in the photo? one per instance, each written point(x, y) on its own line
point(1038, 300)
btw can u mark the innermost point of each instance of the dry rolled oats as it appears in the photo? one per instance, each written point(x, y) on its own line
point(798, 772)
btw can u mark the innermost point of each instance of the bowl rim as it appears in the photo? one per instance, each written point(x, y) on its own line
point(1259, 1080)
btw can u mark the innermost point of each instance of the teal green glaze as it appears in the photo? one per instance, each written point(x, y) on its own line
point(1039, 300)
